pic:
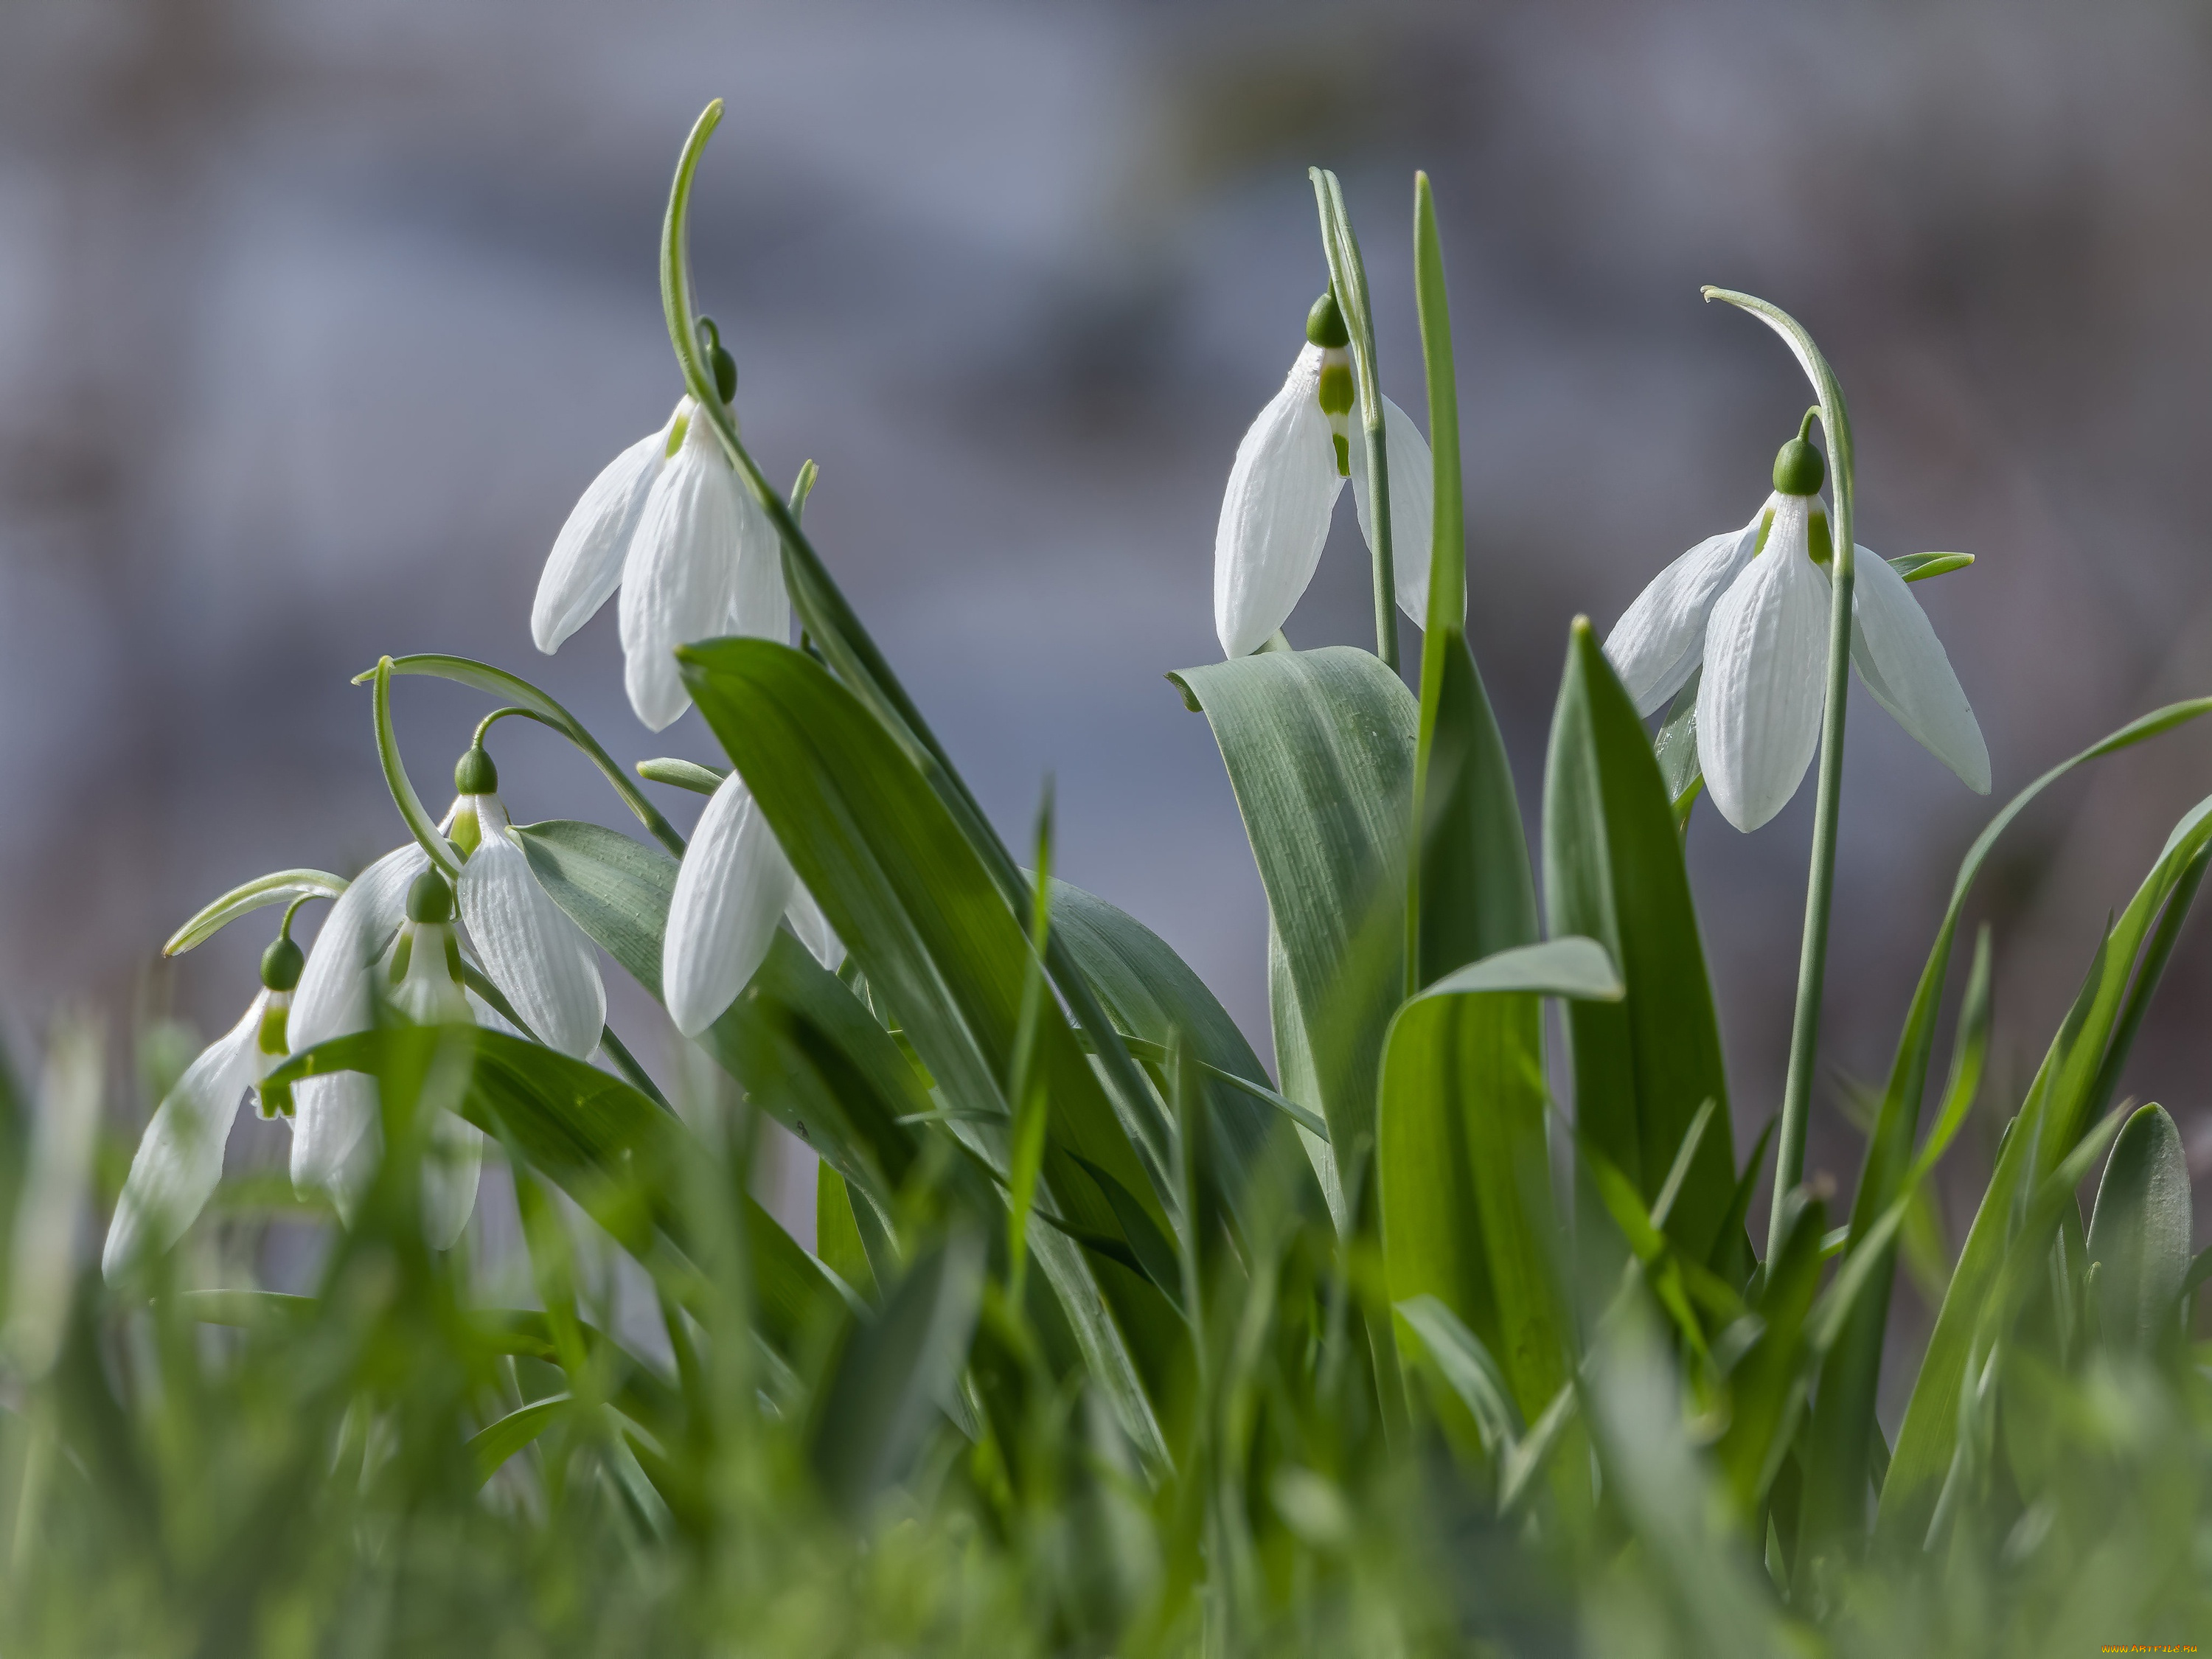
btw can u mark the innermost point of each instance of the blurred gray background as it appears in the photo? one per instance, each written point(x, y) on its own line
point(314, 319)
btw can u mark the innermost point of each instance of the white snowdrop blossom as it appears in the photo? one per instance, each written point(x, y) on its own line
point(179, 1162)
point(1283, 489)
point(735, 886)
point(1751, 609)
point(672, 524)
point(529, 947)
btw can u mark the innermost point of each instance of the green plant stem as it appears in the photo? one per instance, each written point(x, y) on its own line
point(1820, 884)
point(1348, 276)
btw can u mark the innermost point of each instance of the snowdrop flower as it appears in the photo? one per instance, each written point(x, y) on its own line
point(427, 988)
point(1284, 486)
point(735, 886)
point(179, 1158)
point(670, 523)
point(1751, 607)
point(529, 947)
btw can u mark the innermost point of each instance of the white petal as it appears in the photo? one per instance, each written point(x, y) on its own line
point(759, 607)
point(1759, 705)
point(180, 1158)
point(528, 945)
point(333, 995)
point(679, 580)
point(813, 928)
point(1905, 665)
point(336, 1137)
point(1274, 516)
point(731, 889)
point(490, 1018)
point(1657, 642)
point(451, 1164)
point(1412, 507)
point(586, 560)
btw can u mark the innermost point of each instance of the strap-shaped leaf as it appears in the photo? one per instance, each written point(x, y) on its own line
point(1470, 890)
point(2139, 1233)
point(923, 919)
point(2070, 1088)
point(1613, 871)
point(1463, 1180)
point(1319, 746)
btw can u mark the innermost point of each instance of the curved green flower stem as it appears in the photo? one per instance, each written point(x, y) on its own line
point(1348, 276)
point(420, 824)
point(1827, 801)
point(833, 626)
point(279, 887)
point(529, 700)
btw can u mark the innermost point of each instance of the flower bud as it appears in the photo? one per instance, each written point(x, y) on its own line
point(430, 897)
point(1798, 469)
point(281, 963)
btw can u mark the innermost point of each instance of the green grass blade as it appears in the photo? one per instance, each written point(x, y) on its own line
point(1836, 1474)
point(1470, 892)
point(2066, 1094)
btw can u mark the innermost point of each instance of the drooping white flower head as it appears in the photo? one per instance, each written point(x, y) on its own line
point(1283, 489)
point(1750, 608)
point(529, 947)
point(735, 886)
point(179, 1162)
point(670, 523)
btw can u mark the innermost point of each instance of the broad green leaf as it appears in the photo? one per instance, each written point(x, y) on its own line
point(616, 889)
point(281, 887)
point(1463, 1183)
point(1319, 747)
point(921, 916)
point(2139, 1233)
point(1470, 893)
point(1150, 994)
point(514, 690)
point(1645, 1063)
point(896, 1374)
point(2070, 1088)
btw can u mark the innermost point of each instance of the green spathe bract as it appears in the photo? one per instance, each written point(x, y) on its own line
point(1117, 1338)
